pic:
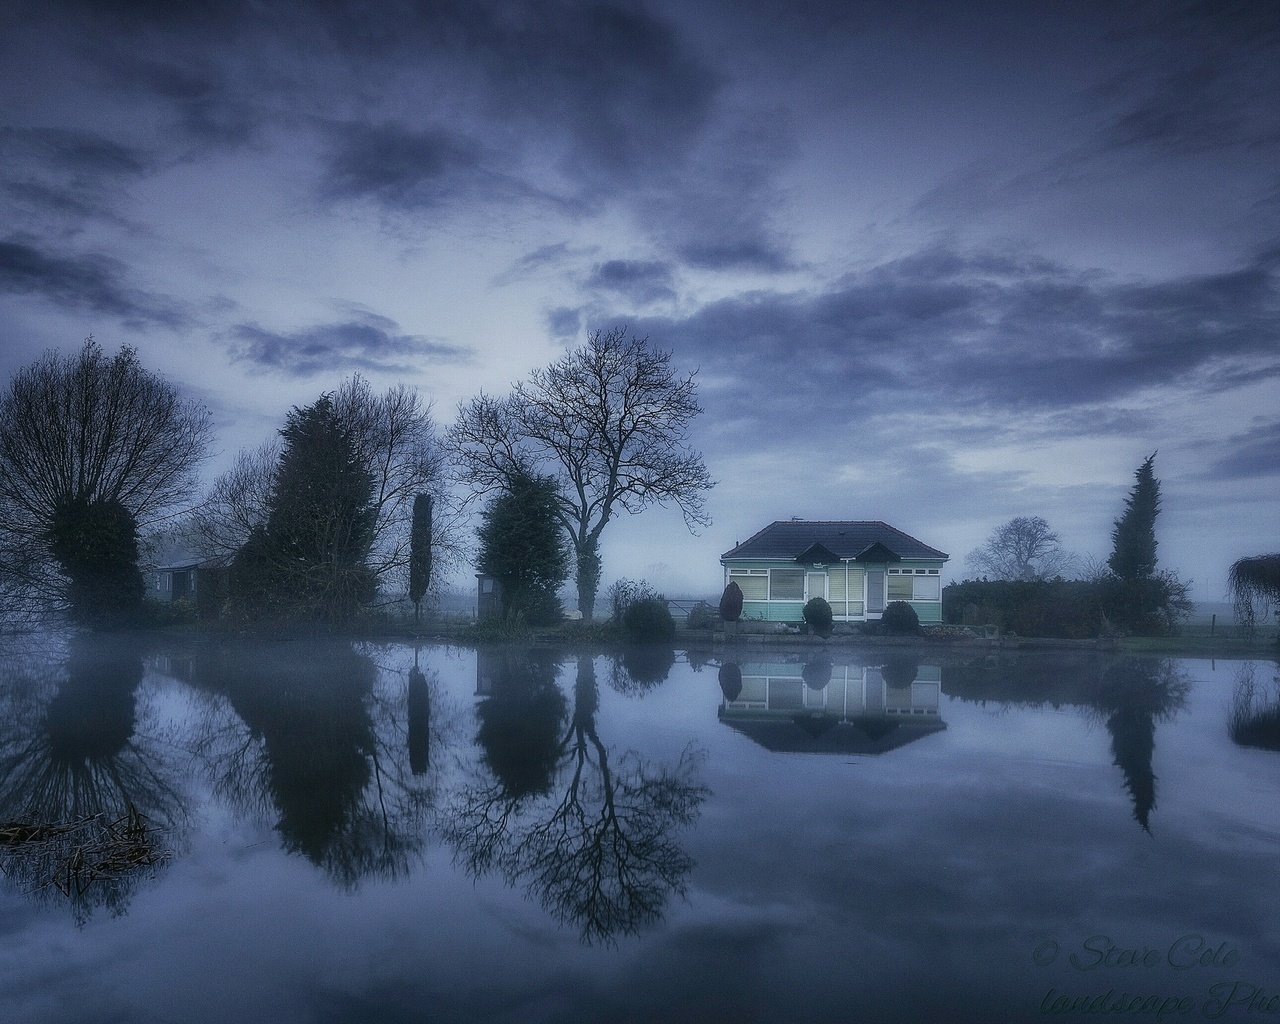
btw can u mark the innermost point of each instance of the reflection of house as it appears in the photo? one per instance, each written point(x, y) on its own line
point(857, 567)
point(824, 708)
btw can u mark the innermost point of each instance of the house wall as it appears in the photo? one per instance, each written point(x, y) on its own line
point(793, 610)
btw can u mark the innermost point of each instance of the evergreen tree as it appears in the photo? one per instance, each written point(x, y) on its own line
point(420, 552)
point(1133, 539)
point(522, 545)
point(310, 558)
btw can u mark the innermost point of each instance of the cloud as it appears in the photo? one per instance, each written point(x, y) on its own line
point(996, 335)
point(367, 341)
point(83, 282)
point(78, 174)
point(564, 322)
point(641, 281)
point(1255, 453)
point(400, 168)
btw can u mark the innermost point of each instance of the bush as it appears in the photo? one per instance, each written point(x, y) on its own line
point(648, 620)
point(731, 603)
point(900, 619)
point(701, 616)
point(624, 593)
point(817, 613)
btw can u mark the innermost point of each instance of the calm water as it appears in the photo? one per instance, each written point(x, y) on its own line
point(336, 832)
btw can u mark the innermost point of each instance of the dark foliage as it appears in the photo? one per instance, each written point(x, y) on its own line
point(420, 552)
point(1254, 581)
point(522, 546)
point(817, 613)
point(731, 603)
point(701, 616)
point(900, 671)
point(1071, 609)
point(1133, 539)
point(522, 723)
point(90, 446)
point(900, 619)
point(816, 674)
point(309, 561)
point(96, 544)
point(648, 620)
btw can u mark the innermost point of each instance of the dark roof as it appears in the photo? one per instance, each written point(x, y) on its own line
point(790, 538)
point(825, 734)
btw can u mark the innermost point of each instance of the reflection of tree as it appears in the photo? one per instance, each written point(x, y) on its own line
point(1135, 694)
point(640, 668)
point(1254, 720)
point(600, 850)
point(520, 722)
point(730, 678)
point(302, 741)
point(90, 797)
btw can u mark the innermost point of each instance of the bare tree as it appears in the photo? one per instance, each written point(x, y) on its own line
point(610, 421)
point(90, 447)
point(1024, 548)
point(236, 503)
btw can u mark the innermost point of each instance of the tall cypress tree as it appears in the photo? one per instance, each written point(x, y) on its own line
point(420, 552)
point(1133, 539)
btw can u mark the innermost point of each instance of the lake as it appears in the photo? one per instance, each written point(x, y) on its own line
point(319, 831)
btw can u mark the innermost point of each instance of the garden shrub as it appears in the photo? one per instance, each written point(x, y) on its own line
point(731, 603)
point(900, 619)
point(648, 620)
point(817, 613)
point(701, 616)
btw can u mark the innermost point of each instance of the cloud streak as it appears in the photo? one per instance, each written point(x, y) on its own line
point(367, 342)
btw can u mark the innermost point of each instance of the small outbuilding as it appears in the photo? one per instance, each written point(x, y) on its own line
point(857, 566)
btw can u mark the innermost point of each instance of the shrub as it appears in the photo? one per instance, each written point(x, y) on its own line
point(624, 593)
point(817, 613)
point(900, 619)
point(648, 620)
point(701, 616)
point(731, 603)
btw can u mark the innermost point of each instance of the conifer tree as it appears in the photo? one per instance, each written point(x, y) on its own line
point(1133, 539)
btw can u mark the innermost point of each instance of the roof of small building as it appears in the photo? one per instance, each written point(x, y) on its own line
point(843, 538)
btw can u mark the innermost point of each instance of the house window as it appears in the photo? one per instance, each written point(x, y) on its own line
point(928, 588)
point(754, 583)
point(786, 584)
point(915, 585)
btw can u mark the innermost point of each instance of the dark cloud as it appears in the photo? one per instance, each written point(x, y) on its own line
point(556, 256)
point(367, 341)
point(974, 333)
point(1198, 77)
point(564, 322)
point(641, 281)
point(82, 282)
point(400, 168)
point(74, 174)
point(1252, 454)
point(214, 107)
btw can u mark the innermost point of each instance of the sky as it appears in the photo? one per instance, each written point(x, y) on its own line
point(935, 264)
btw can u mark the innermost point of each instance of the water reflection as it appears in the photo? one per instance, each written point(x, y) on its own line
point(597, 845)
point(91, 803)
point(1130, 695)
point(640, 668)
point(815, 706)
point(305, 737)
point(1254, 718)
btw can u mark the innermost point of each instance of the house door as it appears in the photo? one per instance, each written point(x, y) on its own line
point(181, 584)
point(875, 590)
point(815, 585)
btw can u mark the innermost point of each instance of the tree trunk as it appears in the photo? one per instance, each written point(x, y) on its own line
point(588, 576)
